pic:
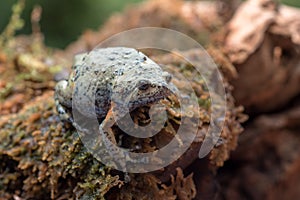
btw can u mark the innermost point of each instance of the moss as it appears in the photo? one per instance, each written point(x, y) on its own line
point(43, 157)
point(15, 23)
point(48, 155)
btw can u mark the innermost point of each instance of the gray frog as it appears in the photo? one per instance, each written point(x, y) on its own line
point(110, 81)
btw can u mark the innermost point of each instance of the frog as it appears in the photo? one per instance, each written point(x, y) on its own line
point(108, 83)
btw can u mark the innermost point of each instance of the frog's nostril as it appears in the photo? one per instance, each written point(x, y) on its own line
point(143, 85)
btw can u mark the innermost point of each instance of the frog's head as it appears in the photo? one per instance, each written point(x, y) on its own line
point(143, 89)
point(148, 91)
point(139, 82)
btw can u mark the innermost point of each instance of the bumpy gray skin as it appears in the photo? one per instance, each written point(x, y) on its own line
point(121, 75)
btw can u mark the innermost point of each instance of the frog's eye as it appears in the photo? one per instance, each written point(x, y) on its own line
point(143, 85)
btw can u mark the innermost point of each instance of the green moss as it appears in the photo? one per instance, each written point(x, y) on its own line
point(15, 23)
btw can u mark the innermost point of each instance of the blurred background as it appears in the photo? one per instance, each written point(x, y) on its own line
point(64, 21)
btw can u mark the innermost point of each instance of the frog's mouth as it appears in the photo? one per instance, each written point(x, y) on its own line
point(145, 101)
point(149, 99)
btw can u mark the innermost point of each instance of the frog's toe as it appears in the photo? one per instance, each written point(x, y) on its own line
point(60, 109)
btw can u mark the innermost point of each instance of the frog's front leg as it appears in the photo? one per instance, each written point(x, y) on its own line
point(108, 138)
point(105, 128)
